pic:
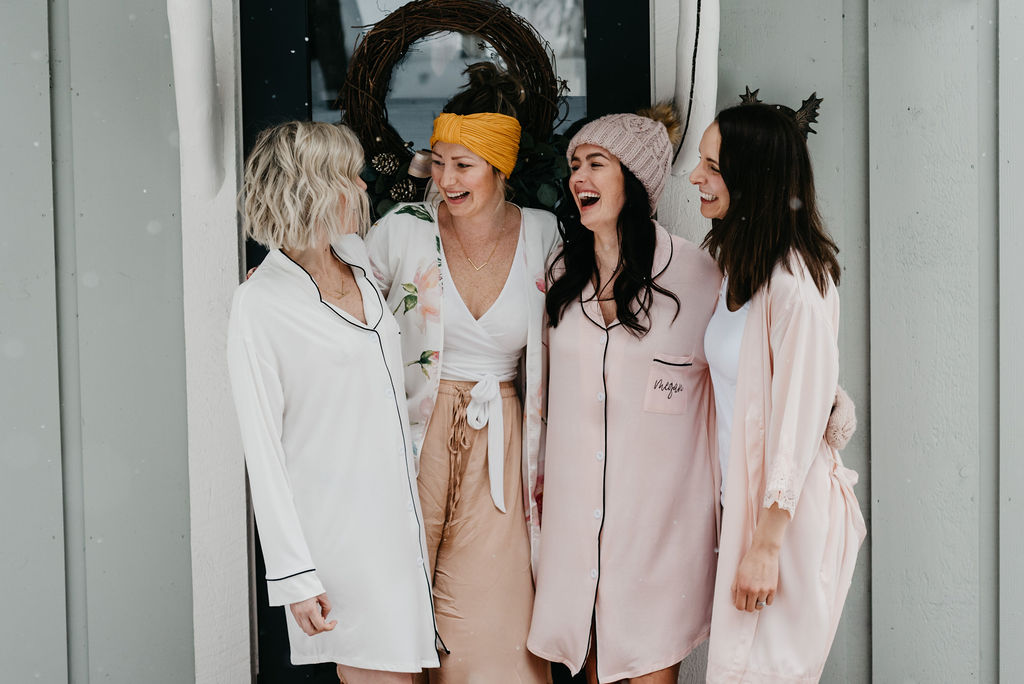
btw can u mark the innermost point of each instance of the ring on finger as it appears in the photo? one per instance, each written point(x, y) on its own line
point(759, 604)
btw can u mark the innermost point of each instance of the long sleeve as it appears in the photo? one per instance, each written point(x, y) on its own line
point(805, 372)
point(259, 402)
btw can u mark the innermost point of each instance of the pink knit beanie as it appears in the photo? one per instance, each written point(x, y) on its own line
point(640, 143)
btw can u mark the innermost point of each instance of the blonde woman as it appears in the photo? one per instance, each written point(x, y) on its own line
point(465, 280)
point(316, 372)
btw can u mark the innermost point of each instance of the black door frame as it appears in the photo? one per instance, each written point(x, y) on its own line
point(275, 61)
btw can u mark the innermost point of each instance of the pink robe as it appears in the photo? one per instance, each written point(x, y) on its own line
point(629, 521)
point(788, 371)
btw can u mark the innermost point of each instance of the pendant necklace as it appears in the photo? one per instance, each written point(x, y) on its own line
point(489, 256)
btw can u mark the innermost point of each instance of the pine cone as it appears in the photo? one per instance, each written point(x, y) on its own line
point(384, 163)
point(403, 191)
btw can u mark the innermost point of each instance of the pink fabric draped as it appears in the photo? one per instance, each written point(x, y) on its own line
point(788, 372)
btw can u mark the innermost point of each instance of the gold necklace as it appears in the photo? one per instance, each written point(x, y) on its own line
point(466, 254)
point(337, 293)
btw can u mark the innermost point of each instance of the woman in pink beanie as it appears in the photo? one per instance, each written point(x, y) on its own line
point(626, 567)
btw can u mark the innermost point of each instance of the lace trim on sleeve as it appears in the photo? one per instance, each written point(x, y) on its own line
point(781, 491)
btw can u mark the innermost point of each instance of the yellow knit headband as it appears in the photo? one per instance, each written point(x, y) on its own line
point(495, 137)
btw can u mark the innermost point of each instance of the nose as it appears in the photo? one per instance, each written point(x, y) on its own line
point(444, 175)
point(361, 183)
point(696, 176)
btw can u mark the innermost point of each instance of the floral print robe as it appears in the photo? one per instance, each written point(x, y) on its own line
point(405, 252)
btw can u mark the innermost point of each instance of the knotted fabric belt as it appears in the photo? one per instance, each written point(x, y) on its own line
point(485, 408)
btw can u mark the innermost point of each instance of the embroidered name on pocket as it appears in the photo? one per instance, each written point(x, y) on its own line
point(666, 384)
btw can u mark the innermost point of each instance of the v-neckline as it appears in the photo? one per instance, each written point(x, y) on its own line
point(511, 269)
point(591, 307)
point(359, 278)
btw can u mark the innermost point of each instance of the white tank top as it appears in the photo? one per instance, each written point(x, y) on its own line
point(492, 344)
point(486, 351)
point(722, 349)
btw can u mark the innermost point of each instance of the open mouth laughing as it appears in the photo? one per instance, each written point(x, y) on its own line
point(587, 198)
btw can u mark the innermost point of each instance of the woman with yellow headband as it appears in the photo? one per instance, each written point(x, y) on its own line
point(465, 277)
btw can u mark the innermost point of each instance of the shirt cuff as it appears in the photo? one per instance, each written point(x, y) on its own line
point(298, 587)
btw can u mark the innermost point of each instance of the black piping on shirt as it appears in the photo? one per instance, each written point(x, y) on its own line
point(294, 574)
point(604, 472)
point(438, 641)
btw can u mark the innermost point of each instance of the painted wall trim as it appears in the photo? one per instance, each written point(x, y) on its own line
point(205, 46)
point(1011, 332)
point(32, 624)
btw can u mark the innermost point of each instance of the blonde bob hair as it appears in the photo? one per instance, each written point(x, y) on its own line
point(300, 186)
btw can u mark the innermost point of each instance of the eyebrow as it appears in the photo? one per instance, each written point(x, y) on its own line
point(435, 155)
point(591, 156)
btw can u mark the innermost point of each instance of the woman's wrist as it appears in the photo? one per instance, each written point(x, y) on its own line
point(770, 530)
point(768, 546)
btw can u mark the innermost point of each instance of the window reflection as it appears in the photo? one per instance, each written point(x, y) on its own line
point(431, 70)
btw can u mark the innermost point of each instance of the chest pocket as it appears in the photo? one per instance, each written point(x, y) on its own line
point(666, 388)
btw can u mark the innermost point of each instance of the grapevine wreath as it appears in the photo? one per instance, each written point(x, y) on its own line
point(541, 168)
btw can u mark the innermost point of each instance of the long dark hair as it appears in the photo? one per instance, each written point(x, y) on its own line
point(772, 206)
point(575, 264)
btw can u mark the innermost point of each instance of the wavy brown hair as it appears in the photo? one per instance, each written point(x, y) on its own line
point(773, 209)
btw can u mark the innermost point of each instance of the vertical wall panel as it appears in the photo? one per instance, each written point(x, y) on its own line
point(1011, 324)
point(32, 531)
point(789, 50)
point(925, 347)
point(844, 189)
point(204, 41)
point(128, 276)
point(986, 97)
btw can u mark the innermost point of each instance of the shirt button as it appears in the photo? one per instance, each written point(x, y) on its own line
point(593, 573)
point(599, 455)
point(600, 396)
point(597, 513)
point(419, 560)
point(410, 506)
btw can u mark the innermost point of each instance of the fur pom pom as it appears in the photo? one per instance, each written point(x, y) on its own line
point(666, 113)
point(842, 422)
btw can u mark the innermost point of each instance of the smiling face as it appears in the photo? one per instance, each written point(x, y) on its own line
point(714, 196)
point(597, 186)
point(469, 185)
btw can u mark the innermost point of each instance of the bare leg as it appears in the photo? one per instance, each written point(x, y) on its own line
point(355, 675)
point(670, 675)
point(590, 666)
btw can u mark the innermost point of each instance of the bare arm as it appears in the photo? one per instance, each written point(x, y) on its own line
point(757, 577)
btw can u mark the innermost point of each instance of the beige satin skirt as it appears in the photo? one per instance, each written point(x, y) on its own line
point(479, 556)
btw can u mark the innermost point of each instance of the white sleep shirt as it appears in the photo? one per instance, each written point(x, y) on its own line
point(321, 405)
